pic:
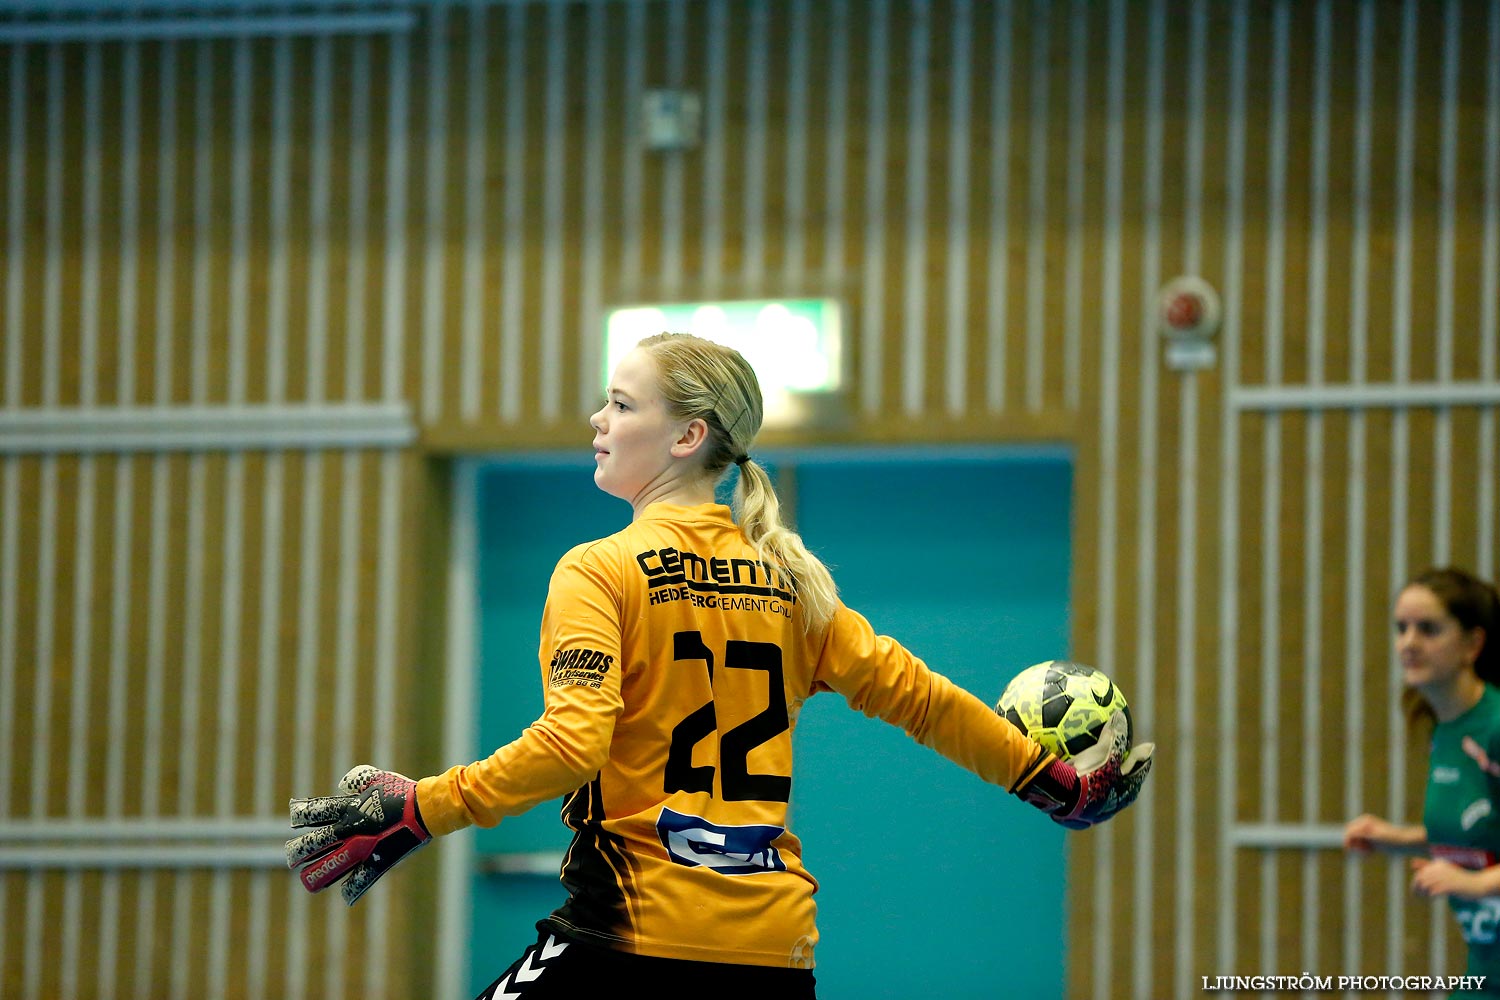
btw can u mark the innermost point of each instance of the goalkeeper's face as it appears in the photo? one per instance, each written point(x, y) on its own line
point(634, 437)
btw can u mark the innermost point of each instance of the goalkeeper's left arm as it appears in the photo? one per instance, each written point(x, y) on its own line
point(379, 817)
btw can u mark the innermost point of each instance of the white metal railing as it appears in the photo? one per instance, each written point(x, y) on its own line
point(1288, 836)
point(238, 23)
point(518, 862)
point(148, 842)
point(206, 428)
point(1368, 396)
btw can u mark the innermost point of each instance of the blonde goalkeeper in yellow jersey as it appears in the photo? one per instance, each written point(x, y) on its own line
point(675, 656)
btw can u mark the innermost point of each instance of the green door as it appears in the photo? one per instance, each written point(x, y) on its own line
point(933, 884)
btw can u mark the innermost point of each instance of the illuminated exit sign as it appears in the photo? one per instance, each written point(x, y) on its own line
point(794, 345)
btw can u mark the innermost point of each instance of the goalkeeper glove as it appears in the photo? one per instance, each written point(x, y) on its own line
point(1097, 782)
point(360, 833)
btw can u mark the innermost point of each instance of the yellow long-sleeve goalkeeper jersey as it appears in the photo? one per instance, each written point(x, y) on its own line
point(674, 663)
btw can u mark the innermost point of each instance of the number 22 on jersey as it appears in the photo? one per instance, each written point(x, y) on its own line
point(738, 784)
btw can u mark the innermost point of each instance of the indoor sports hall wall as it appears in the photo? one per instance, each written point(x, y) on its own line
point(257, 291)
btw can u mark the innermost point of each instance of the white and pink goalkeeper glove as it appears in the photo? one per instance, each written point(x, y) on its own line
point(360, 833)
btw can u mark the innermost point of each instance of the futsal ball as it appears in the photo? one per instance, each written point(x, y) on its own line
point(1063, 705)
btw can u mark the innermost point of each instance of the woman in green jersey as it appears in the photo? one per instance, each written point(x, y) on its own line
point(1448, 643)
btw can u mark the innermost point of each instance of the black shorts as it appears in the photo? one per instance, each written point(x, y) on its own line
point(568, 970)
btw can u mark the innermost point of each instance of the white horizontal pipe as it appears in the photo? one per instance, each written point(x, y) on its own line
point(55, 7)
point(1364, 397)
point(144, 842)
point(1288, 836)
point(89, 857)
point(182, 7)
point(52, 831)
point(206, 428)
point(519, 862)
point(195, 28)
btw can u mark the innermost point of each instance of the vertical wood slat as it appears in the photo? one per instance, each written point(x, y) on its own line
point(1107, 572)
point(10, 751)
point(1354, 713)
point(912, 49)
point(1313, 459)
point(1401, 322)
point(1226, 610)
point(112, 934)
point(871, 327)
point(591, 267)
point(1193, 504)
point(17, 76)
point(1141, 345)
point(1489, 311)
point(999, 214)
point(474, 213)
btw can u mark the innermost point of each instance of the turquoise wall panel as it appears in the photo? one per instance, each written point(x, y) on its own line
point(933, 883)
point(528, 517)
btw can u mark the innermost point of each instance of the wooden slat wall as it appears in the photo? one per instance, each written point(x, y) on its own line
point(202, 635)
point(997, 190)
point(215, 636)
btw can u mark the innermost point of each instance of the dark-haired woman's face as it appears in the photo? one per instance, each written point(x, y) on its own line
point(1433, 647)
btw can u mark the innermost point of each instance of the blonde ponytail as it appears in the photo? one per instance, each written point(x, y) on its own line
point(699, 378)
point(758, 511)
